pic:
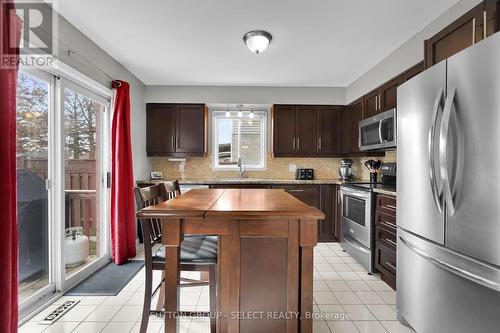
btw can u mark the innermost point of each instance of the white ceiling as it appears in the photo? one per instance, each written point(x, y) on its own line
point(319, 43)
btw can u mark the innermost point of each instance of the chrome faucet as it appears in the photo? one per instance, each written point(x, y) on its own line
point(241, 167)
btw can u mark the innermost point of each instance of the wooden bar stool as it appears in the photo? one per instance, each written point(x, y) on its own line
point(198, 253)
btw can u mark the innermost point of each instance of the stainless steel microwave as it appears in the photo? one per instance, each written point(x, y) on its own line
point(378, 132)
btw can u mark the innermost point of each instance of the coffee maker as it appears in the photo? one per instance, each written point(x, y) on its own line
point(345, 170)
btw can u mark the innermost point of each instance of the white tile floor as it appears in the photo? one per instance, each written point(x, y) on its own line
point(346, 299)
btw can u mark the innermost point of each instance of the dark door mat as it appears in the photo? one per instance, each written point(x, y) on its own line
point(108, 281)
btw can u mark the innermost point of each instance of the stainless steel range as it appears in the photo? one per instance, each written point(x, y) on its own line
point(357, 206)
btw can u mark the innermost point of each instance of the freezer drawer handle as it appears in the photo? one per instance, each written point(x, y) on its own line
point(453, 269)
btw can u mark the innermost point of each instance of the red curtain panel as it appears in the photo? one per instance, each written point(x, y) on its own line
point(11, 32)
point(123, 232)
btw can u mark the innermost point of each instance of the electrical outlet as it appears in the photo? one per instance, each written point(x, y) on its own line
point(292, 167)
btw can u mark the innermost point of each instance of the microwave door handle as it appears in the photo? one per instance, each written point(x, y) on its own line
point(436, 192)
point(380, 136)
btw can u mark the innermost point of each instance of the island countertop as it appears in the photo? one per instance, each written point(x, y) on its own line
point(241, 203)
point(266, 239)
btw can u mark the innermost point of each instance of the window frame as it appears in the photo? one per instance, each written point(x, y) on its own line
point(262, 166)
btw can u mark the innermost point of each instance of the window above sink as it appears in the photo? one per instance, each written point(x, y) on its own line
point(239, 133)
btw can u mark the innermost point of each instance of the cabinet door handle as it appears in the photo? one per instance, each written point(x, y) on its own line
point(298, 143)
point(474, 31)
point(380, 102)
point(390, 265)
point(387, 224)
point(172, 143)
point(391, 207)
point(390, 241)
point(485, 24)
point(376, 103)
point(293, 144)
point(295, 190)
point(319, 143)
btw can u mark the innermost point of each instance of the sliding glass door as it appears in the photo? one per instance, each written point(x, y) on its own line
point(35, 95)
point(62, 196)
point(85, 151)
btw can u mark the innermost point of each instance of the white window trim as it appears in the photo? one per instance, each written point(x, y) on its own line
point(263, 144)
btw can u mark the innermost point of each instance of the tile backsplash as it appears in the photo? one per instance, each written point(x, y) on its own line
point(200, 168)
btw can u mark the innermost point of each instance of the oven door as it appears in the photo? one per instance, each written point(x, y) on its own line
point(356, 219)
point(378, 132)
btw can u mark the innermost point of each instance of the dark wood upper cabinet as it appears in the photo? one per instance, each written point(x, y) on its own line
point(475, 25)
point(382, 99)
point(190, 128)
point(371, 104)
point(388, 94)
point(330, 130)
point(492, 13)
point(412, 72)
point(160, 129)
point(351, 117)
point(175, 129)
point(284, 130)
point(306, 130)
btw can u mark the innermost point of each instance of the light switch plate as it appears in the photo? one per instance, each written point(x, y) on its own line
point(292, 167)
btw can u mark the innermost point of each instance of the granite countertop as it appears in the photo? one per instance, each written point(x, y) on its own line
point(253, 181)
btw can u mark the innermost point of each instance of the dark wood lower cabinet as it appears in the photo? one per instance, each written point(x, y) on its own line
point(385, 238)
point(385, 262)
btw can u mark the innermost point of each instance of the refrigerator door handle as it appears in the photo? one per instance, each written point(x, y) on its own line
point(436, 192)
point(443, 148)
point(482, 280)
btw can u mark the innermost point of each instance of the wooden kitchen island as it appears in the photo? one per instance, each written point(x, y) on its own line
point(265, 256)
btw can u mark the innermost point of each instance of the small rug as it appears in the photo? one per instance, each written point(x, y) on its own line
point(108, 281)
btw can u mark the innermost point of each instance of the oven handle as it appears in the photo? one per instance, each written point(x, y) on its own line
point(355, 193)
point(353, 242)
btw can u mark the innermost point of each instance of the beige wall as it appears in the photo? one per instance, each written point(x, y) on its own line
point(199, 168)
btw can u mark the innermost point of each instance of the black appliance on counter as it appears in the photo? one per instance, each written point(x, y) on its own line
point(357, 210)
point(304, 174)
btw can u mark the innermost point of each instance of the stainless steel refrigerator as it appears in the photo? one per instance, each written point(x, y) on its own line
point(448, 249)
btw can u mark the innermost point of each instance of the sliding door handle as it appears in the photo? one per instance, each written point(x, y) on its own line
point(443, 151)
point(436, 192)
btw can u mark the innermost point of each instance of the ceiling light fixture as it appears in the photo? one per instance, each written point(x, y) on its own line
point(251, 115)
point(257, 40)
